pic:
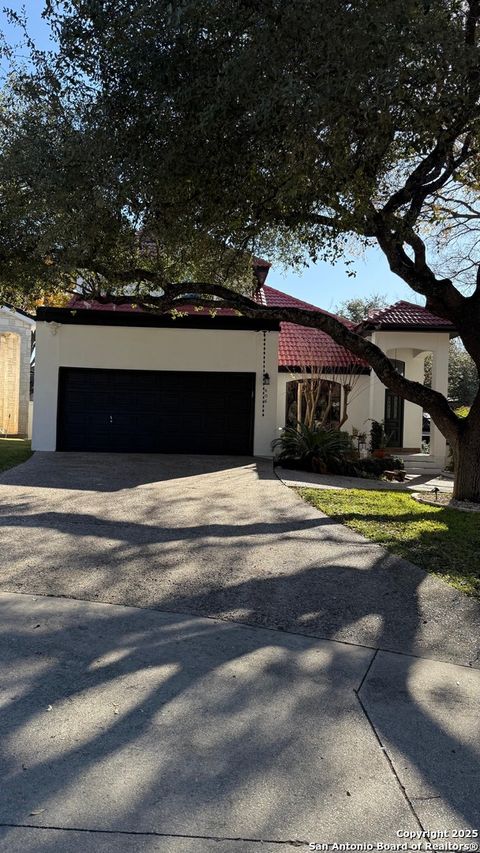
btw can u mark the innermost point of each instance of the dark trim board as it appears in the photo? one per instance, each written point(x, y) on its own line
point(328, 371)
point(152, 411)
point(90, 317)
point(400, 327)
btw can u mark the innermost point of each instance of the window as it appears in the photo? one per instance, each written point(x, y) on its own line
point(327, 410)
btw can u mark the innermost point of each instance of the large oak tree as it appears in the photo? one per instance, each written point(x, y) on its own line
point(162, 143)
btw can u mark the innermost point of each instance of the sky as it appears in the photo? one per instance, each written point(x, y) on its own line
point(326, 286)
point(321, 284)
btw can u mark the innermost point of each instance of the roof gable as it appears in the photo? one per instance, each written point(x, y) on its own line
point(404, 316)
point(304, 346)
point(17, 315)
point(269, 296)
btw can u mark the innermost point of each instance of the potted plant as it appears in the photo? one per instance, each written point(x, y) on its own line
point(362, 444)
point(378, 440)
point(376, 436)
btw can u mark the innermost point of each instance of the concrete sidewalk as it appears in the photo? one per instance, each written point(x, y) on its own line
point(412, 482)
point(126, 729)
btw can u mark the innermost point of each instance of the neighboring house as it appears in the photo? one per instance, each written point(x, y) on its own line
point(16, 328)
point(116, 378)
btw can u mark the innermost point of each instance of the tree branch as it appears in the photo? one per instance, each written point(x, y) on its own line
point(215, 296)
point(471, 22)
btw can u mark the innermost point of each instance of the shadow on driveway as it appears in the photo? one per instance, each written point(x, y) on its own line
point(111, 472)
point(126, 720)
point(218, 726)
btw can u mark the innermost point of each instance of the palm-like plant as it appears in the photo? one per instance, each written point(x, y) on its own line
point(304, 444)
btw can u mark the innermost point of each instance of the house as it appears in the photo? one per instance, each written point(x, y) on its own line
point(16, 329)
point(115, 378)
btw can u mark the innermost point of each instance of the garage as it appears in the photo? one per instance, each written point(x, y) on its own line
point(147, 411)
point(134, 382)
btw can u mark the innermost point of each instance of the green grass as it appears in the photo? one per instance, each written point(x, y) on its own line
point(13, 451)
point(443, 541)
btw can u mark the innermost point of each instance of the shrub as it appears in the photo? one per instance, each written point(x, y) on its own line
point(313, 449)
point(373, 466)
point(327, 451)
point(377, 436)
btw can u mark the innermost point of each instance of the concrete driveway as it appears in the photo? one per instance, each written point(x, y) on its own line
point(345, 708)
point(221, 537)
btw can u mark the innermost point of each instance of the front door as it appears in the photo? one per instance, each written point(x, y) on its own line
point(394, 409)
point(393, 423)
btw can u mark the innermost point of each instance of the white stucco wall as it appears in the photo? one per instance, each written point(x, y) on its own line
point(134, 348)
point(357, 408)
point(30, 419)
point(282, 380)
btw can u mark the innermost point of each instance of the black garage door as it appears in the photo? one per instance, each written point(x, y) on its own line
point(142, 411)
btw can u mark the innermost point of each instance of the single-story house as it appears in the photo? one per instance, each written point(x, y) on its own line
point(115, 378)
point(16, 329)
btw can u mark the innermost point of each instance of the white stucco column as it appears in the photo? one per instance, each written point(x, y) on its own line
point(376, 406)
point(46, 386)
point(266, 395)
point(413, 414)
point(439, 383)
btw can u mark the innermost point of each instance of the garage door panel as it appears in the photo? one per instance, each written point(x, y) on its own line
point(155, 411)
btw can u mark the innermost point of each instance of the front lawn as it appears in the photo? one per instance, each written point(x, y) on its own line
point(13, 451)
point(443, 541)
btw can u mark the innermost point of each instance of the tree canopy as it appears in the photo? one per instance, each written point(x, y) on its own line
point(279, 128)
point(462, 375)
point(161, 145)
point(359, 307)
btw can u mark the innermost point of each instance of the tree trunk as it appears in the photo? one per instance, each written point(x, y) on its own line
point(344, 416)
point(467, 465)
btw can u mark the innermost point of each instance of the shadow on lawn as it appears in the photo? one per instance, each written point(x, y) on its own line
point(451, 518)
point(13, 451)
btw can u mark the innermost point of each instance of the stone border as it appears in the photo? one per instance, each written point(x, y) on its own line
point(461, 506)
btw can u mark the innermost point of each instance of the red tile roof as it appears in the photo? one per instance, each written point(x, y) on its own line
point(405, 315)
point(93, 305)
point(301, 345)
point(78, 303)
